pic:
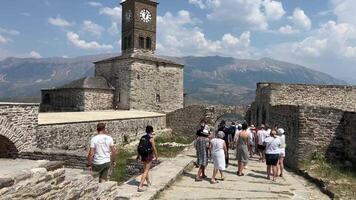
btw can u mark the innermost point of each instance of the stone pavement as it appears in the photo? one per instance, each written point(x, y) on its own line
point(65, 117)
point(253, 185)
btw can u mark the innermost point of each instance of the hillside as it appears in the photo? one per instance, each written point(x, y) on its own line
point(212, 80)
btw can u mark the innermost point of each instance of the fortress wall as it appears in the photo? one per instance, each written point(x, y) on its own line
point(350, 135)
point(287, 117)
point(18, 123)
point(312, 131)
point(76, 136)
point(332, 96)
point(185, 121)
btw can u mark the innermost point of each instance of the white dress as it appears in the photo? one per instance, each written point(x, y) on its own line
point(218, 154)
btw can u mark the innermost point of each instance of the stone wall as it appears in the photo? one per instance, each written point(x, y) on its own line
point(95, 99)
point(350, 135)
point(288, 118)
point(76, 136)
point(143, 82)
point(314, 131)
point(68, 99)
point(185, 121)
point(156, 86)
point(331, 96)
point(117, 73)
point(50, 181)
point(18, 123)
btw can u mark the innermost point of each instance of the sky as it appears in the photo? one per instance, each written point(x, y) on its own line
point(319, 34)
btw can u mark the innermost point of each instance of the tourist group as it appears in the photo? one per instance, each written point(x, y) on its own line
point(246, 141)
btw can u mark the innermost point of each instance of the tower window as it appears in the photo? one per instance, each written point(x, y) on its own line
point(138, 76)
point(46, 99)
point(142, 42)
point(148, 43)
point(158, 98)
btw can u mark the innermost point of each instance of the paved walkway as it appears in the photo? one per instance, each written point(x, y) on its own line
point(65, 117)
point(253, 185)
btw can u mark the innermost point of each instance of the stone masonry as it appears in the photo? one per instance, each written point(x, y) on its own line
point(144, 82)
point(317, 119)
point(50, 181)
point(18, 123)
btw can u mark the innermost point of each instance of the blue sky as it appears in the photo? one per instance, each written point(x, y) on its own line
point(320, 34)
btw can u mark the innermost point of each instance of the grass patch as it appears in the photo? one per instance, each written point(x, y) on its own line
point(340, 179)
point(170, 152)
point(119, 174)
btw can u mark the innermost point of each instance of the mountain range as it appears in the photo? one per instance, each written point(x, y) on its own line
point(207, 80)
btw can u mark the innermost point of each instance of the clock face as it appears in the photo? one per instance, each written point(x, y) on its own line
point(145, 15)
point(128, 16)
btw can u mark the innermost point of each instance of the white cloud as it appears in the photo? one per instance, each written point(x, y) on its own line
point(26, 14)
point(274, 9)
point(95, 4)
point(58, 21)
point(113, 29)
point(178, 36)
point(301, 20)
point(92, 28)
point(114, 13)
point(34, 54)
point(9, 31)
point(3, 40)
point(345, 11)
point(76, 41)
point(310, 46)
point(287, 30)
point(255, 14)
point(203, 4)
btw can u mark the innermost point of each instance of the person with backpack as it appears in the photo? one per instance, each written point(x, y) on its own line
point(147, 152)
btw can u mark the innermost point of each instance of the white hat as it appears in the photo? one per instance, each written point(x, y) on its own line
point(205, 132)
point(280, 131)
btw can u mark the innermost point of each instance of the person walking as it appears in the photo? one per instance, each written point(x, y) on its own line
point(102, 153)
point(223, 127)
point(202, 145)
point(273, 145)
point(282, 154)
point(242, 140)
point(218, 150)
point(147, 152)
point(261, 136)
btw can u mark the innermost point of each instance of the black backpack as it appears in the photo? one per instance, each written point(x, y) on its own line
point(144, 148)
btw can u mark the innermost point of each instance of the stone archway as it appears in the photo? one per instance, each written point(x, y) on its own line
point(12, 140)
point(214, 114)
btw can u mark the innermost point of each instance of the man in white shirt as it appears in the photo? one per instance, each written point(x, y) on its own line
point(102, 153)
point(261, 135)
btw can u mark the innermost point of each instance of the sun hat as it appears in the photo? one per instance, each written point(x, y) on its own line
point(205, 132)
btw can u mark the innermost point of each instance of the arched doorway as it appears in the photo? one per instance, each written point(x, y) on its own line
point(229, 118)
point(7, 148)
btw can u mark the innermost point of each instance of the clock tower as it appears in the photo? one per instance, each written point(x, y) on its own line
point(142, 79)
point(139, 22)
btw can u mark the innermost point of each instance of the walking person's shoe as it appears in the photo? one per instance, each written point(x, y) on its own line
point(139, 189)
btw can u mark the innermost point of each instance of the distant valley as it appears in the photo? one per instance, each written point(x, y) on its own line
point(207, 80)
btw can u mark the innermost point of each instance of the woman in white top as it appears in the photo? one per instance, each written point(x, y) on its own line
point(273, 145)
point(282, 154)
point(218, 151)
